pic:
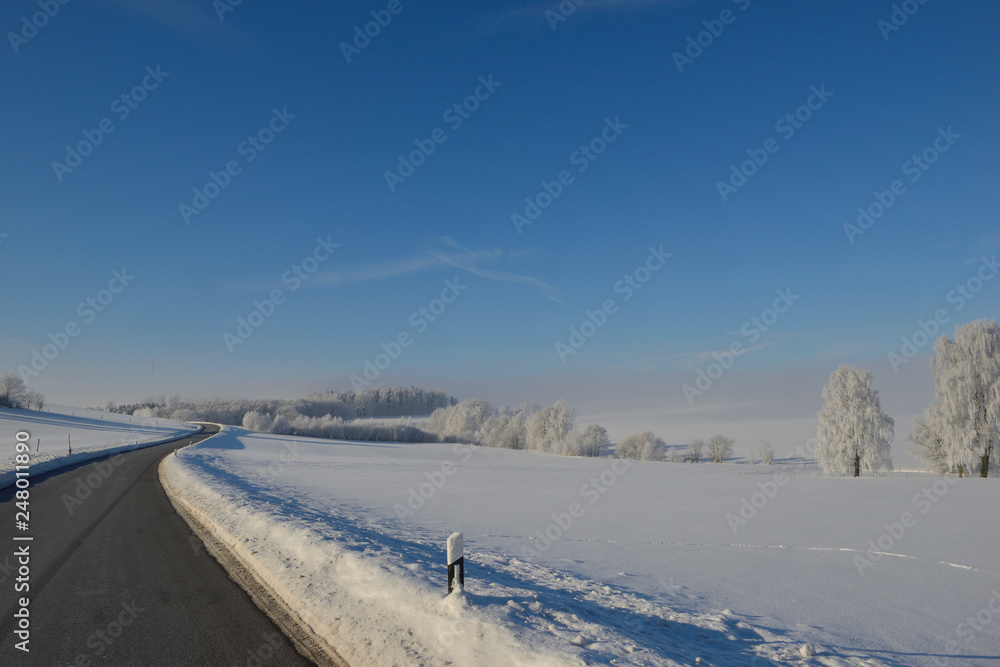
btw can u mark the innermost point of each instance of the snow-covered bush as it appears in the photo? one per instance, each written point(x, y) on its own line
point(766, 452)
point(641, 447)
point(854, 434)
point(257, 421)
point(719, 448)
point(506, 429)
point(548, 430)
point(593, 440)
point(461, 422)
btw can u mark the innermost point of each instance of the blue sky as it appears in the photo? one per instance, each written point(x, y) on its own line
point(551, 91)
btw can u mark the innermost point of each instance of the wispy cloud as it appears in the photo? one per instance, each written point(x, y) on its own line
point(710, 354)
point(443, 253)
point(465, 258)
point(377, 271)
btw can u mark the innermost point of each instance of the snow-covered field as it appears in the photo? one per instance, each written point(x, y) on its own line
point(92, 434)
point(594, 561)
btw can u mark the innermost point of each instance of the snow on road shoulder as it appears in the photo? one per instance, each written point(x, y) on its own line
point(362, 602)
point(376, 592)
point(93, 434)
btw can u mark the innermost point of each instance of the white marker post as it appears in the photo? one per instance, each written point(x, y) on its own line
point(456, 561)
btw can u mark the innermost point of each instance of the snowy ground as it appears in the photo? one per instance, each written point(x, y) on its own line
point(585, 561)
point(91, 432)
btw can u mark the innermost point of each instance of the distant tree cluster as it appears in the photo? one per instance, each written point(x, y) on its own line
point(392, 402)
point(347, 405)
point(335, 428)
point(14, 393)
point(550, 430)
point(328, 415)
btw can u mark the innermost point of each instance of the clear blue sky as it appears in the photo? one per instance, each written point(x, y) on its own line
point(323, 175)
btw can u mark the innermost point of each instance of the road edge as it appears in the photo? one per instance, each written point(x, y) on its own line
point(306, 641)
point(8, 480)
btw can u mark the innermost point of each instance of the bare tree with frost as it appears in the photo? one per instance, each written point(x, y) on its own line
point(854, 434)
point(720, 448)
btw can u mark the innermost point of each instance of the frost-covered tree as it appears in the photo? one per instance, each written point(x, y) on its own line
point(507, 429)
point(854, 434)
point(966, 412)
point(257, 421)
point(593, 440)
point(766, 452)
point(13, 391)
point(550, 426)
point(694, 450)
point(719, 448)
point(641, 447)
point(462, 421)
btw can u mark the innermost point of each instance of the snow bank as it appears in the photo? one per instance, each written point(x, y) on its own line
point(320, 523)
point(93, 434)
point(366, 606)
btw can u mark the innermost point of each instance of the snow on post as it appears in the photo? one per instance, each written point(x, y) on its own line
point(456, 561)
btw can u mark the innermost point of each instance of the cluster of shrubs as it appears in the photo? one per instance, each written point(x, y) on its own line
point(551, 430)
point(647, 447)
point(285, 422)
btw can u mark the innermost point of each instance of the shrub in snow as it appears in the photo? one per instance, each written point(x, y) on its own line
point(257, 421)
point(505, 429)
point(719, 448)
point(548, 430)
point(960, 430)
point(593, 440)
point(854, 434)
point(766, 452)
point(461, 422)
point(694, 450)
point(641, 447)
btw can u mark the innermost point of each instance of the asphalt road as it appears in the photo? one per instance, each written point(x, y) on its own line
point(117, 578)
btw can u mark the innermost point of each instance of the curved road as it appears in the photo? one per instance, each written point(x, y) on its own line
point(117, 578)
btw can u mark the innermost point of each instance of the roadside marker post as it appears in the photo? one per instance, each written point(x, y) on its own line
point(456, 561)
